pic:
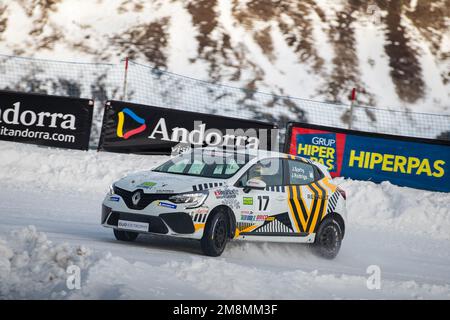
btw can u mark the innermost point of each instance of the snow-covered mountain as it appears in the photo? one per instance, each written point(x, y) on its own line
point(397, 53)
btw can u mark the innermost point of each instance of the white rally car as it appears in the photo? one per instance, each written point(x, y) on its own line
point(215, 196)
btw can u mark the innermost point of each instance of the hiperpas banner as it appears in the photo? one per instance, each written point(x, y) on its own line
point(404, 161)
point(45, 120)
point(136, 128)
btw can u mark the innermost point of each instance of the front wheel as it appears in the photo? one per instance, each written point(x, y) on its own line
point(215, 236)
point(125, 235)
point(328, 239)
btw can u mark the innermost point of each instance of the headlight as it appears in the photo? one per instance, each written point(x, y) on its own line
point(193, 200)
point(111, 190)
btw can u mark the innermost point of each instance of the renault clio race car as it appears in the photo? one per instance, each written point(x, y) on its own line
point(215, 196)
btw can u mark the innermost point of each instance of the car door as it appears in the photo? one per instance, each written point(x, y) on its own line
point(306, 198)
point(264, 211)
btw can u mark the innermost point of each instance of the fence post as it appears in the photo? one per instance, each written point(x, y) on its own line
point(352, 104)
point(125, 81)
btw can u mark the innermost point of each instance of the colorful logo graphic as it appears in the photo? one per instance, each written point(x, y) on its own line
point(147, 185)
point(320, 147)
point(167, 205)
point(247, 201)
point(135, 117)
point(324, 147)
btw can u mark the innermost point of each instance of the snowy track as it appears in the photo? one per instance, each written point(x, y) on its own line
point(403, 231)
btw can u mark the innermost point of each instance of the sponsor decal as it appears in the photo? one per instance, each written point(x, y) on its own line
point(164, 191)
point(167, 205)
point(229, 197)
point(225, 194)
point(201, 210)
point(299, 173)
point(114, 198)
point(248, 217)
point(270, 219)
point(121, 122)
point(132, 225)
point(247, 201)
point(147, 185)
point(315, 197)
point(200, 214)
point(246, 212)
point(261, 217)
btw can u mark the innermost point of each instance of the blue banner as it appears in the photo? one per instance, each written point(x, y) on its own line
point(412, 164)
point(416, 163)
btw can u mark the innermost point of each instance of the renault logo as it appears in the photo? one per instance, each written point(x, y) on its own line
point(136, 198)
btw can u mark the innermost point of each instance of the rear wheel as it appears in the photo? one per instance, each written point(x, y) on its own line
point(328, 239)
point(125, 235)
point(215, 236)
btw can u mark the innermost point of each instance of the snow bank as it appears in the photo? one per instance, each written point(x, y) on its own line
point(32, 267)
point(387, 206)
point(45, 168)
point(221, 279)
point(211, 278)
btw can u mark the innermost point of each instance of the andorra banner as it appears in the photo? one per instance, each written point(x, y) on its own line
point(404, 161)
point(135, 128)
point(45, 120)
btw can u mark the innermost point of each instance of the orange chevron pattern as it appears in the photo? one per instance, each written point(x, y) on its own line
point(307, 219)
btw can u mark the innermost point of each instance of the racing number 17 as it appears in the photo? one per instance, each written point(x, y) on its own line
point(260, 201)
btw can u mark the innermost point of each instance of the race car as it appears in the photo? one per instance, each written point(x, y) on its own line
point(217, 195)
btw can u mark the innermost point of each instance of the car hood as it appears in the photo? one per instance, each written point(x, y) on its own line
point(160, 182)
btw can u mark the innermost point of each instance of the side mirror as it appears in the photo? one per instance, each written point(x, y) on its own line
point(254, 184)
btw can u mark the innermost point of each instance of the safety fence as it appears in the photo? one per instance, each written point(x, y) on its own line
point(152, 86)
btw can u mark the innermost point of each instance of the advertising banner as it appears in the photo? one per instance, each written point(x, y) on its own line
point(135, 128)
point(404, 161)
point(45, 120)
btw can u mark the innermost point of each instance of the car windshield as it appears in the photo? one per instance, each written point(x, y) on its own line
point(206, 163)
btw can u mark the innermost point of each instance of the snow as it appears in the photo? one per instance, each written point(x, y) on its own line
point(50, 210)
point(396, 208)
point(430, 67)
point(370, 47)
point(32, 266)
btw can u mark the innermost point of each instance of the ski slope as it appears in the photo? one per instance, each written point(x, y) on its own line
point(50, 203)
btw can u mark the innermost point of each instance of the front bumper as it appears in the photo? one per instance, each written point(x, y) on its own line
point(164, 223)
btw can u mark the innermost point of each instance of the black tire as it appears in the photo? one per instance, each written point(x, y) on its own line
point(215, 236)
point(328, 239)
point(125, 235)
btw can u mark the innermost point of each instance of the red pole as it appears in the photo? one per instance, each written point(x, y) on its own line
point(352, 103)
point(353, 94)
point(125, 81)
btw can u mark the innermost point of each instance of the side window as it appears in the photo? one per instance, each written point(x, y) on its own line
point(178, 167)
point(196, 167)
point(300, 172)
point(268, 170)
point(231, 168)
